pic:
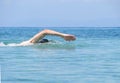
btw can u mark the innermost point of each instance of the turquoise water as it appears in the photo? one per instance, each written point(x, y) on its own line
point(93, 58)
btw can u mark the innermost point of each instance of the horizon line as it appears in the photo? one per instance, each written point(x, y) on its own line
point(59, 26)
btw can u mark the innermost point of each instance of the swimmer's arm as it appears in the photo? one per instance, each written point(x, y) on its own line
point(43, 33)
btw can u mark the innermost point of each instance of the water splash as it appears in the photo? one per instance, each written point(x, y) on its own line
point(2, 44)
point(10, 44)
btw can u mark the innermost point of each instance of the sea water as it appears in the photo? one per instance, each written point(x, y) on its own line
point(94, 57)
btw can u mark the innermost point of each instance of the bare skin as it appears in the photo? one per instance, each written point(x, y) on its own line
point(42, 34)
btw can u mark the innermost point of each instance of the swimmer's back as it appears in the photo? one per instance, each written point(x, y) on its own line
point(25, 43)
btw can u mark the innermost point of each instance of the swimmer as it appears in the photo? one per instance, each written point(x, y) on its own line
point(38, 38)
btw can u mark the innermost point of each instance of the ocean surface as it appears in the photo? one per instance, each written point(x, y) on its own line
point(94, 57)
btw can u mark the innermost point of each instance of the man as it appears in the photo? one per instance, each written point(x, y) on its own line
point(42, 34)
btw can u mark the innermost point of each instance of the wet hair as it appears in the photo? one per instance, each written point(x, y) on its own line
point(43, 41)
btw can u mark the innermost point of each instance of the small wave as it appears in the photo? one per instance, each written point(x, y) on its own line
point(55, 46)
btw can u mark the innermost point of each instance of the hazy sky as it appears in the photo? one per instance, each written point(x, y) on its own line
point(57, 13)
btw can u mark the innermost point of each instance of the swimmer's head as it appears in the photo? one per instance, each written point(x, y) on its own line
point(43, 41)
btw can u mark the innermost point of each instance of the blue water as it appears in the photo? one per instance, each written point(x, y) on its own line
point(93, 58)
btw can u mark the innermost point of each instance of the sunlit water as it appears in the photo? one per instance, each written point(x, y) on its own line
point(93, 58)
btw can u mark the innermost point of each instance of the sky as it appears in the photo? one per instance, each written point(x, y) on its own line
point(59, 13)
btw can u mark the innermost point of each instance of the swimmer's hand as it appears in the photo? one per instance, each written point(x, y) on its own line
point(69, 37)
